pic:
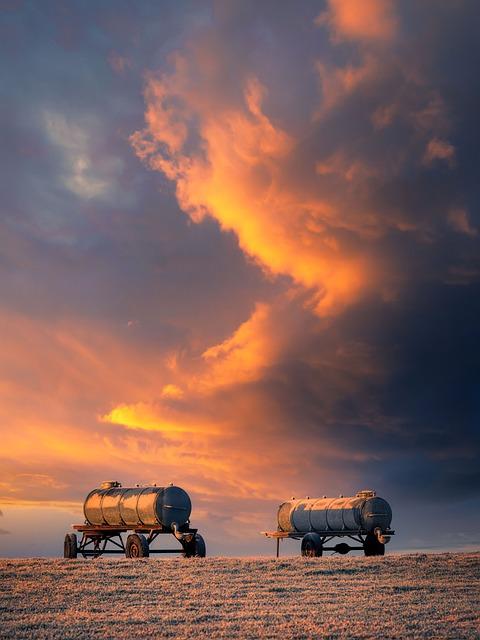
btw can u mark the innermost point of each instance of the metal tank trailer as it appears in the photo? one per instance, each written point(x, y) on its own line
point(147, 511)
point(364, 518)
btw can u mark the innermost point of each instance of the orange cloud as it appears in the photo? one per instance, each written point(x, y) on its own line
point(238, 176)
point(172, 391)
point(55, 446)
point(144, 416)
point(242, 356)
point(339, 82)
point(222, 423)
point(439, 150)
point(369, 20)
point(65, 370)
point(294, 213)
point(459, 220)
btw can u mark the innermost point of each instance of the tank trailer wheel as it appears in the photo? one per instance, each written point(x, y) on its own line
point(372, 546)
point(196, 548)
point(137, 546)
point(199, 546)
point(70, 546)
point(312, 545)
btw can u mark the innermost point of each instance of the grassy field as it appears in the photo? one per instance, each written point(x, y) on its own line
point(410, 596)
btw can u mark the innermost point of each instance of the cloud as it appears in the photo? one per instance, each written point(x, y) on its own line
point(339, 82)
point(439, 150)
point(309, 202)
point(459, 220)
point(144, 416)
point(287, 301)
point(330, 202)
point(370, 20)
point(84, 177)
point(314, 202)
point(242, 356)
point(237, 178)
point(120, 64)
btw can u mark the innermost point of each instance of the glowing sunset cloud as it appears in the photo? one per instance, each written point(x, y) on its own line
point(231, 161)
point(239, 176)
point(368, 20)
point(142, 416)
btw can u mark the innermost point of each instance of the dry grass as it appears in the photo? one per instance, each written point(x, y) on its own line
point(411, 596)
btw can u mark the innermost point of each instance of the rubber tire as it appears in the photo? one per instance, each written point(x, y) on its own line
point(372, 546)
point(196, 549)
point(200, 546)
point(137, 546)
point(312, 546)
point(70, 546)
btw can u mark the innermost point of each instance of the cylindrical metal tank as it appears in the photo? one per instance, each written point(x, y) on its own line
point(114, 505)
point(363, 512)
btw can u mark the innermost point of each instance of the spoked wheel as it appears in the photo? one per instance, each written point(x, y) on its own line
point(70, 546)
point(137, 546)
point(372, 546)
point(196, 548)
point(312, 546)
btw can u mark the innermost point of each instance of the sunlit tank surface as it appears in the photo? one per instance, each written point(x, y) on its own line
point(364, 512)
point(114, 505)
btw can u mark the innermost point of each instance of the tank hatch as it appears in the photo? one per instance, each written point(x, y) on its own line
point(366, 493)
point(110, 484)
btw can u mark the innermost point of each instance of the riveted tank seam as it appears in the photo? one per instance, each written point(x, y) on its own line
point(343, 515)
point(155, 507)
point(327, 508)
point(362, 519)
point(314, 514)
point(138, 500)
point(120, 500)
point(101, 505)
point(139, 521)
point(102, 496)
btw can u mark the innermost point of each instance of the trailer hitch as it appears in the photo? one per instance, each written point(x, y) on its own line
point(179, 535)
point(381, 537)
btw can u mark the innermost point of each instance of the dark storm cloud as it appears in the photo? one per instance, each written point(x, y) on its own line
point(396, 386)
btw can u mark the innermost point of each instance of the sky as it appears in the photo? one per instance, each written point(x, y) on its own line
point(240, 251)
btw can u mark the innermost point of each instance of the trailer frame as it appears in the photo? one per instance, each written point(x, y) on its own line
point(342, 548)
point(96, 538)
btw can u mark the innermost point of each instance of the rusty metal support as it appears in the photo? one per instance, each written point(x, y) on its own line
point(326, 536)
point(95, 539)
